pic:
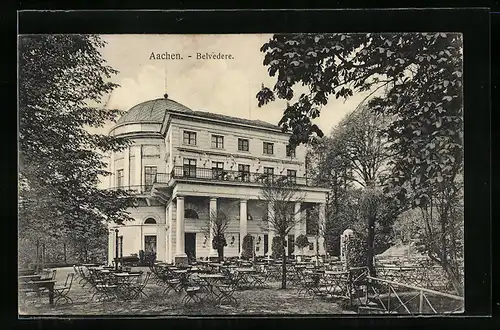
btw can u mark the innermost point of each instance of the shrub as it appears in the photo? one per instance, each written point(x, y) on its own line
point(247, 252)
point(357, 252)
point(301, 242)
point(277, 247)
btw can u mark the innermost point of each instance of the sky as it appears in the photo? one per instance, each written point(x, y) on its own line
point(226, 86)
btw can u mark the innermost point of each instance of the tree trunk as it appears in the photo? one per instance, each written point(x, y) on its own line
point(371, 238)
point(317, 251)
point(283, 263)
point(220, 252)
point(454, 277)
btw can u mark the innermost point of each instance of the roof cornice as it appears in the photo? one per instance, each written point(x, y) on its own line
point(221, 121)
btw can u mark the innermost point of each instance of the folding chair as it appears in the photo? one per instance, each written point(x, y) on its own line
point(137, 289)
point(61, 292)
point(227, 289)
point(191, 295)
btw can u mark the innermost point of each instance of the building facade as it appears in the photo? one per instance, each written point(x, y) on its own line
point(185, 165)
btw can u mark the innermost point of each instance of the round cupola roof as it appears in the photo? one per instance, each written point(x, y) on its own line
point(152, 111)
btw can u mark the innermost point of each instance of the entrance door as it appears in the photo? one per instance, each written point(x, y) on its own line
point(291, 244)
point(150, 243)
point(190, 245)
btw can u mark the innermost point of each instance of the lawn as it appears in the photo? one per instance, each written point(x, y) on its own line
point(272, 300)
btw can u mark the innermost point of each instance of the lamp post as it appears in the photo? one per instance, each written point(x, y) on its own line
point(116, 249)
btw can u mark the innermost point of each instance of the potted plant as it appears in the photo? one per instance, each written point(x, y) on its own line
point(247, 248)
point(301, 242)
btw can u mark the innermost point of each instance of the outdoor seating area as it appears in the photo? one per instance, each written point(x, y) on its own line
point(207, 285)
point(202, 283)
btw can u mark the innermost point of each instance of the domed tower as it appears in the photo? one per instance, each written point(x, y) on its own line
point(135, 169)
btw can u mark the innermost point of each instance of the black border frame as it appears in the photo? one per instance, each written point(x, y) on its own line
point(473, 23)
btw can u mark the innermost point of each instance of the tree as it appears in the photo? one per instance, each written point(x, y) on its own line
point(216, 227)
point(301, 242)
point(62, 80)
point(247, 248)
point(281, 197)
point(422, 77)
point(359, 154)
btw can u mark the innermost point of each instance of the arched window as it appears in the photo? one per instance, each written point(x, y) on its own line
point(150, 221)
point(190, 214)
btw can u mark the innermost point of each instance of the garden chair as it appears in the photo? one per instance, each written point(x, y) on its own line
point(194, 288)
point(61, 292)
point(105, 290)
point(227, 288)
point(309, 283)
point(137, 289)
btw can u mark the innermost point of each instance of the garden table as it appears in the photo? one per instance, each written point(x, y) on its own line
point(245, 276)
point(124, 282)
point(47, 284)
point(23, 272)
point(25, 278)
point(211, 280)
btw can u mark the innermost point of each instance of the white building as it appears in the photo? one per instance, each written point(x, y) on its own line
point(183, 164)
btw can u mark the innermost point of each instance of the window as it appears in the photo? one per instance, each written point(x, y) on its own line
point(217, 170)
point(311, 222)
point(268, 172)
point(190, 168)
point(244, 172)
point(217, 141)
point(150, 221)
point(290, 152)
point(150, 243)
point(149, 175)
point(242, 145)
point(268, 148)
point(311, 246)
point(189, 137)
point(119, 178)
point(190, 214)
point(292, 176)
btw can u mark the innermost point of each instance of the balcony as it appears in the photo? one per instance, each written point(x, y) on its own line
point(134, 189)
point(221, 175)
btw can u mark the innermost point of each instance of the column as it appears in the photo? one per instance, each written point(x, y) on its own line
point(213, 216)
point(126, 167)
point(243, 221)
point(168, 217)
point(270, 216)
point(111, 246)
point(180, 256)
point(138, 167)
point(162, 239)
point(321, 222)
point(298, 225)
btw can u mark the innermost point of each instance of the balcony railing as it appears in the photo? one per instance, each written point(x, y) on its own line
point(134, 189)
point(186, 172)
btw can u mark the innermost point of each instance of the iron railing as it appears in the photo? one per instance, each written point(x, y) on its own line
point(186, 172)
point(135, 189)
